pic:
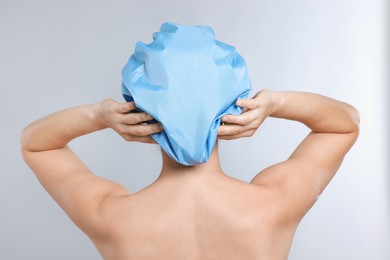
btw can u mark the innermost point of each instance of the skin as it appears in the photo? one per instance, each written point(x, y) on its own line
point(194, 212)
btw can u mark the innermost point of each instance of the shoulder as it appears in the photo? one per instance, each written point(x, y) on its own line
point(300, 179)
point(81, 194)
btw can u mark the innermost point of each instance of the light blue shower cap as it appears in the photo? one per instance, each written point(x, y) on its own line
point(186, 80)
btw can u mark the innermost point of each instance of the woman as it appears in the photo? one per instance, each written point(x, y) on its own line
point(195, 212)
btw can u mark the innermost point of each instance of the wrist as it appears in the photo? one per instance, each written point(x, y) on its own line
point(276, 102)
point(97, 117)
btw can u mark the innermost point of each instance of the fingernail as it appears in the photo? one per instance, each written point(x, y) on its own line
point(225, 118)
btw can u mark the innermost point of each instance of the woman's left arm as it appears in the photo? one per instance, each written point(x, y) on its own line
point(60, 171)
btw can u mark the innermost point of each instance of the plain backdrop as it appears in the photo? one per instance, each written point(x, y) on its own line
point(58, 54)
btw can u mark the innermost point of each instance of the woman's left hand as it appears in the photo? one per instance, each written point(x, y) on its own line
point(128, 125)
point(255, 111)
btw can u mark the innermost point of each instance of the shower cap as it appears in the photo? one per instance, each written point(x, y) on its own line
point(187, 81)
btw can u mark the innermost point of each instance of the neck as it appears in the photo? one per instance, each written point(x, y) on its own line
point(172, 169)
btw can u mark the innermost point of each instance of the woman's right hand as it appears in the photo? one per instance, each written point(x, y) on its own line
point(255, 111)
point(128, 125)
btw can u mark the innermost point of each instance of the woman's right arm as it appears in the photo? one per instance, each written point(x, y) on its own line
point(306, 173)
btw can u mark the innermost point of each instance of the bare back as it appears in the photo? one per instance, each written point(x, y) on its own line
point(204, 214)
point(198, 218)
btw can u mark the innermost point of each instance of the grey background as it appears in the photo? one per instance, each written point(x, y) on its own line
point(57, 54)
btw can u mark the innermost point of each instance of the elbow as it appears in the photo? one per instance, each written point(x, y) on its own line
point(24, 138)
point(24, 150)
point(354, 116)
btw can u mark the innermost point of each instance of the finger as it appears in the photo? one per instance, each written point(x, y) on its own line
point(247, 103)
point(144, 130)
point(242, 119)
point(236, 129)
point(141, 139)
point(231, 129)
point(135, 118)
point(125, 107)
point(247, 133)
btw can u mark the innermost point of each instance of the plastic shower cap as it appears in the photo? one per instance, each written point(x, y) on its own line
point(186, 80)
